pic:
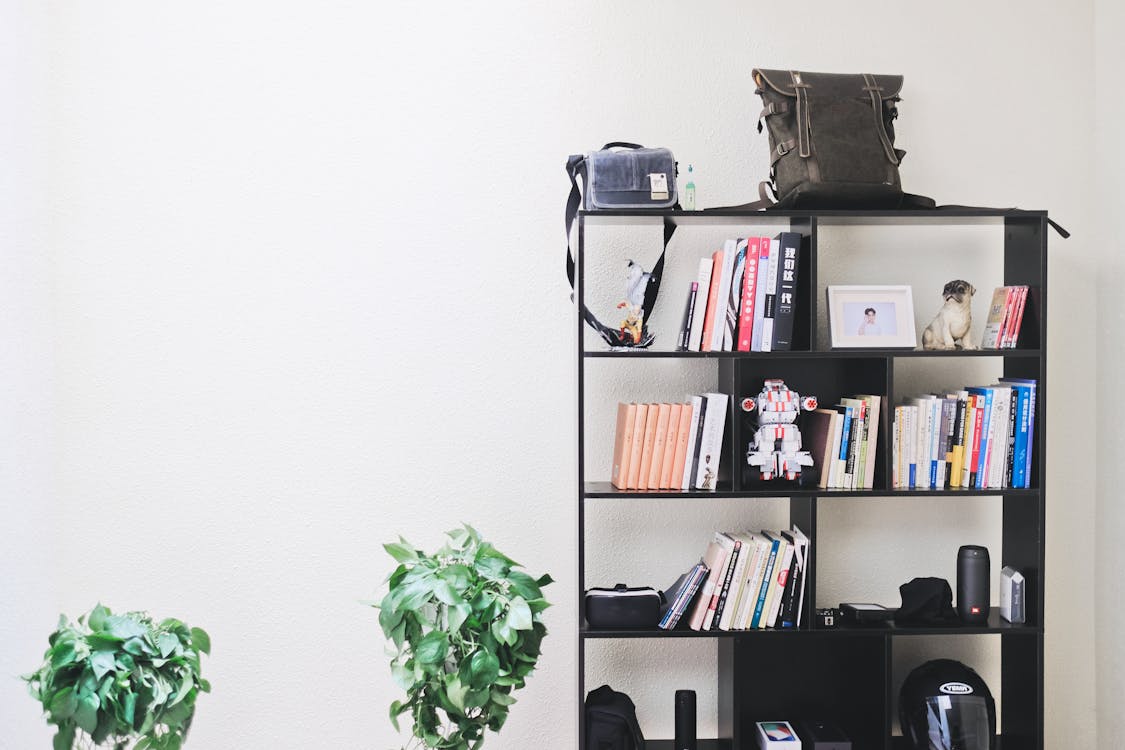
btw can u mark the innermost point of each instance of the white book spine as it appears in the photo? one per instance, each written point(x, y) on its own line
point(737, 582)
point(701, 297)
point(937, 457)
point(711, 445)
point(1001, 406)
point(771, 289)
point(748, 592)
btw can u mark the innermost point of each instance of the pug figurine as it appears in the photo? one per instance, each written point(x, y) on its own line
point(950, 329)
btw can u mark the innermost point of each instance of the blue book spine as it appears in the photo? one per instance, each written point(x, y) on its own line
point(1019, 464)
point(847, 431)
point(764, 590)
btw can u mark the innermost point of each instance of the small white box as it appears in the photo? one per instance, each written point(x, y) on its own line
point(1012, 596)
point(777, 735)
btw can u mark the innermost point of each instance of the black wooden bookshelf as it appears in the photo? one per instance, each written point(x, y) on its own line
point(844, 674)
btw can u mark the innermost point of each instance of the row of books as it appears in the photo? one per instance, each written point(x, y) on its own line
point(842, 440)
point(746, 581)
point(670, 446)
point(1005, 317)
point(744, 298)
point(976, 437)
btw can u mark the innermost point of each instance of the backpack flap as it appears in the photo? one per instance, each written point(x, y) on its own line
point(637, 178)
point(832, 137)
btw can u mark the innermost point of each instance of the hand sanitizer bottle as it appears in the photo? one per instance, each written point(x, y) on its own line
point(689, 190)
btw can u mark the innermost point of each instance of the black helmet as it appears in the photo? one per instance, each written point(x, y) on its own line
point(944, 705)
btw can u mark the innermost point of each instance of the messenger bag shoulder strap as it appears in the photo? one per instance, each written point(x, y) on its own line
point(575, 169)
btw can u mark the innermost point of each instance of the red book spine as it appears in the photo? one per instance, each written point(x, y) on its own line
point(978, 422)
point(1021, 303)
point(749, 290)
point(1009, 317)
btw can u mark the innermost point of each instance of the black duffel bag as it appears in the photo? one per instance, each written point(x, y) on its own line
point(832, 140)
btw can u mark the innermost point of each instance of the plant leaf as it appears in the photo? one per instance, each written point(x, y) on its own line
point(200, 640)
point(433, 648)
point(519, 614)
point(86, 715)
point(484, 668)
point(102, 662)
point(401, 551)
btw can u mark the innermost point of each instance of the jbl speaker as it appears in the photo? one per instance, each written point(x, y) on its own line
point(972, 584)
point(685, 720)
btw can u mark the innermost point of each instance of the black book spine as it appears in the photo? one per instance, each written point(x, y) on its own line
point(689, 317)
point(786, 299)
point(726, 585)
point(1010, 459)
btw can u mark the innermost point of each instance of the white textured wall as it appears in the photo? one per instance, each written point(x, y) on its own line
point(1109, 173)
point(304, 292)
point(29, 545)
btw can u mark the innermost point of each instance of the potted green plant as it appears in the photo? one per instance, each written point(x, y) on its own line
point(467, 632)
point(121, 681)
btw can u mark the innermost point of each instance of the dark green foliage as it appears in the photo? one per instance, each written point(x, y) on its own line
point(118, 678)
point(466, 631)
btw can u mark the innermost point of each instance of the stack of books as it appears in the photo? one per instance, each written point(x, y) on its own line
point(1005, 317)
point(976, 438)
point(670, 446)
point(744, 298)
point(842, 440)
point(755, 580)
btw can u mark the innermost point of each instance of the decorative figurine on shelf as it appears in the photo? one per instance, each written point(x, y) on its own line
point(776, 449)
point(950, 329)
point(633, 330)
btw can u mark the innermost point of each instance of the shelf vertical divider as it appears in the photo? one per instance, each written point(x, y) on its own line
point(579, 301)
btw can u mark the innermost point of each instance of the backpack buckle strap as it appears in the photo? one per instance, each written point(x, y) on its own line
point(804, 137)
point(773, 108)
point(781, 150)
point(874, 89)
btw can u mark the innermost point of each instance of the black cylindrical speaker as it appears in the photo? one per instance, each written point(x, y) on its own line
point(972, 584)
point(685, 720)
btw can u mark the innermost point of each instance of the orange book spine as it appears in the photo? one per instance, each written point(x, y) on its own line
point(712, 300)
point(623, 444)
point(664, 412)
point(668, 463)
point(647, 445)
point(632, 477)
point(683, 430)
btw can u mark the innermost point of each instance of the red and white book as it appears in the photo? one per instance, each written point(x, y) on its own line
point(1014, 332)
point(718, 329)
point(714, 558)
point(749, 293)
point(993, 325)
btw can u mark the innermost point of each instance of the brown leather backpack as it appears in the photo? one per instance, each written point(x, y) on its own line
point(832, 140)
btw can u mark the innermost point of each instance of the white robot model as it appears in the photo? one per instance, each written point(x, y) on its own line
point(776, 449)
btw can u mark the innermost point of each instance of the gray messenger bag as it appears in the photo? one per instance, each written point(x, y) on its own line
point(832, 140)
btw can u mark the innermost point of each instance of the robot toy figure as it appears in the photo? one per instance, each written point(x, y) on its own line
point(776, 449)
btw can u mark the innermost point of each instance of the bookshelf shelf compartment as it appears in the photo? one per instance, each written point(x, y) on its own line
point(844, 674)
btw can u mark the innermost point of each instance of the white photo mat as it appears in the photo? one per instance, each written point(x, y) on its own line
point(871, 317)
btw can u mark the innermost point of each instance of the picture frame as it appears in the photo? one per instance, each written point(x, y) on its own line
point(871, 317)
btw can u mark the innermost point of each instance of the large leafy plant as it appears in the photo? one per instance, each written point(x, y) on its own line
point(466, 630)
point(115, 679)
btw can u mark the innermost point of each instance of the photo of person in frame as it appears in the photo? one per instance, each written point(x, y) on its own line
point(871, 318)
